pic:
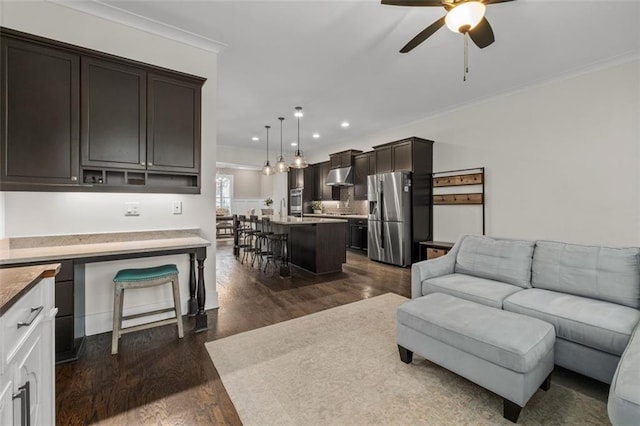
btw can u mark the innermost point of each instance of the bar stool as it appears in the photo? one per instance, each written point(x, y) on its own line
point(139, 278)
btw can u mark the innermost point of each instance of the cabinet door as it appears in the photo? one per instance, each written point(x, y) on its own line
point(114, 122)
point(327, 190)
point(384, 161)
point(345, 159)
point(402, 155)
point(372, 164)
point(39, 114)
point(173, 140)
point(6, 401)
point(30, 369)
point(335, 161)
point(361, 170)
point(308, 183)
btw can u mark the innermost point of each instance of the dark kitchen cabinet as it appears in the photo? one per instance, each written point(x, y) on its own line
point(358, 237)
point(395, 157)
point(343, 159)
point(309, 184)
point(173, 142)
point(363, 165)
point(40, 109)
point(74, 119)
point(296, 178)
point(114, 122)
point(406, 155)
point(70, 320)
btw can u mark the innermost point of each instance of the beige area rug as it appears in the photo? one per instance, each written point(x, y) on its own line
point(341, 367)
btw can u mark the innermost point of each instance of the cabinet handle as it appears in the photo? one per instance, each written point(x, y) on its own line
point(142, 163)
point(74, 178)
point(24, 394)
point(34, 314)
point(150, 164)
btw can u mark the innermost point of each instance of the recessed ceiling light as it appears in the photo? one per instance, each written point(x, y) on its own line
point(255, 139)
point(316, 135)
point(294, 143)
point(345, 124)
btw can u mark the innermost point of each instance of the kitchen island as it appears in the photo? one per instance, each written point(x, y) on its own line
point(315, 244)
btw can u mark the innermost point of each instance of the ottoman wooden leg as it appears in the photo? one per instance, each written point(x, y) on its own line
point(511, 410)
point(406, 355)
point(546, 384)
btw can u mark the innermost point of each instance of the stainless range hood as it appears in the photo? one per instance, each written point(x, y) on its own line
point(340, 177)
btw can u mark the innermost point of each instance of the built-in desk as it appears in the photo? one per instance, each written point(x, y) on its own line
point(74, 251)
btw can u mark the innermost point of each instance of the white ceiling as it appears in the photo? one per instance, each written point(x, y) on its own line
point(339, 60)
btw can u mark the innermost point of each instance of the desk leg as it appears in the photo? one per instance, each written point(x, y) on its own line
point(201, 315)
point(193, 306)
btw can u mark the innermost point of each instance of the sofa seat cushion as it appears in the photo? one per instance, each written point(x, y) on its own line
point(512, 341)
point(479, 290)
point(507, 261)
point(624, 396)
point(609, 274)
point(600, 325)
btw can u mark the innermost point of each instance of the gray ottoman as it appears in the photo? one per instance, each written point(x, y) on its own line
point(507, 353)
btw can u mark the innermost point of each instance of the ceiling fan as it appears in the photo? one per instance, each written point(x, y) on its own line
point(463, 16)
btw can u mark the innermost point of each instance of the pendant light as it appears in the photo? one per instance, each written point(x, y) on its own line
point(298, 160)
point(267, 169)
point(281, 165)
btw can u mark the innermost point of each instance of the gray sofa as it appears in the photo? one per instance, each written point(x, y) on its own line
point(591, 295)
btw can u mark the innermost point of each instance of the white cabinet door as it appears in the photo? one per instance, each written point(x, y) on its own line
point(29, 366)
point(7, 403)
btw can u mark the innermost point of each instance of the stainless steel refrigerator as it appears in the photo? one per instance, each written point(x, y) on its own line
point(389, 204)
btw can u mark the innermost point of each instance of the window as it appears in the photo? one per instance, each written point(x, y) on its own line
point(224, 190)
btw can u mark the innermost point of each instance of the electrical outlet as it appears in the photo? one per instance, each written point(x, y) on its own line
point(132, 209)
point(177, 207)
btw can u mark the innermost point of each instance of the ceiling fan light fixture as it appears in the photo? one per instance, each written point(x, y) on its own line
point(465, 16)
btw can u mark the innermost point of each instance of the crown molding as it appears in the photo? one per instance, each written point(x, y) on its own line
point(129, 19)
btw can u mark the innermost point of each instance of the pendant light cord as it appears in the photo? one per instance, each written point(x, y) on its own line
point(466, 56)
point(281, 120)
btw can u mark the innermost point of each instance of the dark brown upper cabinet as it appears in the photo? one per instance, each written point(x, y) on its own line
point(343, 158)
point(74, 119)
point(406, 155)
point(114, 122)
point(363, 166)
point(39, 115)
point(173, 141)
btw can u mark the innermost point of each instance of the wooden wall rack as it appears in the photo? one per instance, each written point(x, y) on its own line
point(456, 178)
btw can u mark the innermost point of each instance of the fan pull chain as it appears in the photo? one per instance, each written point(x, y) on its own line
point(466, 56)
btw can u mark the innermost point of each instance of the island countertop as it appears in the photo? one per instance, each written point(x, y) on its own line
point(48, 248)
point(292, 220)
point(14, 282)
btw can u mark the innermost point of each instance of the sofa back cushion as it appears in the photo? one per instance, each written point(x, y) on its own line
point(508, 261)
point(609, 274)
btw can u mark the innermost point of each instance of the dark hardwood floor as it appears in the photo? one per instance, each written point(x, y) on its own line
point(158, 379)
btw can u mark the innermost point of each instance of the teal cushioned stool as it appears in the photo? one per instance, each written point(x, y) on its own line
point(139, 278)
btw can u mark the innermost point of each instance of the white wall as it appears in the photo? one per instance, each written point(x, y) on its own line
point(562, 158)
point(28, 214)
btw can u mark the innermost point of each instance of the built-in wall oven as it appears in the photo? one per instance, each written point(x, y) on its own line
point(295, 202)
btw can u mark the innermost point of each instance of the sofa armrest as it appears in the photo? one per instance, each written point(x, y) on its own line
point(426, 269)
point(624, 395)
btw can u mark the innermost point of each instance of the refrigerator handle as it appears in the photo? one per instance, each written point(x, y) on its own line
point(381, 218)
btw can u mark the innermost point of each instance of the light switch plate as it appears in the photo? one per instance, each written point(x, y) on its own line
point(177, 207)
point(132, 209)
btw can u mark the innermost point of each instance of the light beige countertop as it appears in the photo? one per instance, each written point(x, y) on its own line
point(342, 216)
point(57, 247)
point(292, 220)
point(15, 282)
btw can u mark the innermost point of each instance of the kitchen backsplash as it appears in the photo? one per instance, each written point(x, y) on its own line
point(346, 204)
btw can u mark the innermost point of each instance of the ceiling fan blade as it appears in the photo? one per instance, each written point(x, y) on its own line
point(482, 34)
point(495, 1)
point(423, 35)
point(412, 3)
